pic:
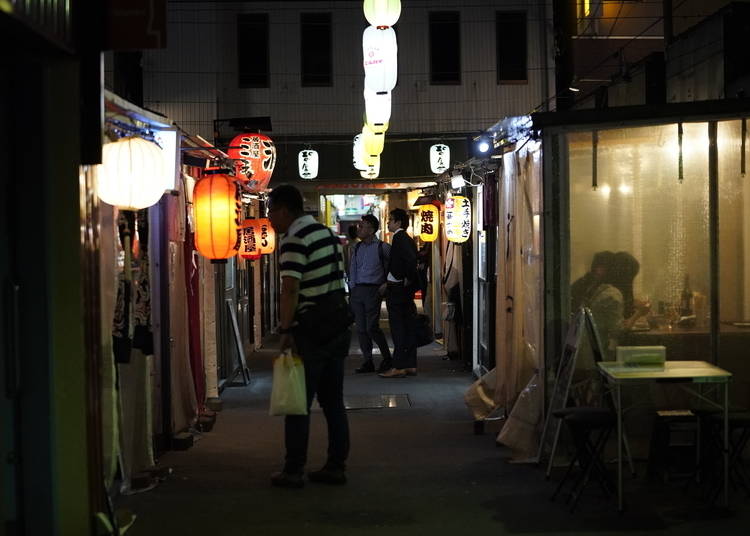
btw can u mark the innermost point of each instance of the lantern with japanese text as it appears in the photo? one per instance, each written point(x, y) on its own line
point(358, 153)
point(266, 236)
point(377, 110)
point(382, 12)
point(428, 222)
point(373, 169)
point(307, 162)
point(255, 158)
point(457, 218)
point(380, 58)
point(373, 142)
point(132, 174)
point(440, 158)
point(217, 209)
point(249, 240)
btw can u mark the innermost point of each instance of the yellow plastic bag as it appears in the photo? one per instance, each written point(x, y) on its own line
point(288, 392)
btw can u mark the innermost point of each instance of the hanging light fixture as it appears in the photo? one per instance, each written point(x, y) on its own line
point(307, 163)
point(266, 237)
point(457, 218)
point(382, 12)
point(380, 58)
point(217, 210)
point(358, 153)
point(373, 142)
point(373, 169)
point(249, 240)
point(440, 158)
point(429, 222)
point(131, 175)
point(377, 109)
point(255, 159)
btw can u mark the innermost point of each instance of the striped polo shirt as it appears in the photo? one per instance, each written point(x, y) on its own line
point(311, 253)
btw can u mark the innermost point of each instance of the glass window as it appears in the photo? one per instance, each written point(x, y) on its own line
point(510, 46)
point(252, 50)
point(734, 260)
point(445, 47)
point(629, 197)
point(317, 49)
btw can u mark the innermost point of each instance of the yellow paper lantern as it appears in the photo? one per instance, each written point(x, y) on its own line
point(373, 142)
point(382, 12)
point(218, 214)
point(132, 175)
point(266, 236)
point(428, 223)
point(457, 218)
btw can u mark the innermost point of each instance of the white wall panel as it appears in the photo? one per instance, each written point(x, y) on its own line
point(194, 80)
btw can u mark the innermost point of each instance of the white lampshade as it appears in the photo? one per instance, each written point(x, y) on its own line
point(373, 142)
point(377, 110)
point(440, 157)
point(373, 169)
point(358, 153)
point(131, 176)
point(382, 12)
point(307, 162)
point(380, 58)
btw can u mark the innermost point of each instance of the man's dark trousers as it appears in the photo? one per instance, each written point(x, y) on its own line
point(365, 301)
point(324, 377)
point(402, 318)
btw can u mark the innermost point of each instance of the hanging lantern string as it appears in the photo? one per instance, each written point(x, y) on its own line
point(680, 174)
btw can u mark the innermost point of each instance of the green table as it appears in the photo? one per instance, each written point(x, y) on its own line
point(692, 372)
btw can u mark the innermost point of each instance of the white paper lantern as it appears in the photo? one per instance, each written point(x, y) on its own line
point(373, 170)
point(358, 153)
point(382, 12)
point(373, 142)
point(440, 157)
point(377, 110)
point(307, 162)
point(131, 176)
point(380, 58)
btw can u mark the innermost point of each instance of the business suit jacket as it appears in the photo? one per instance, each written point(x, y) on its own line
point(402, 262)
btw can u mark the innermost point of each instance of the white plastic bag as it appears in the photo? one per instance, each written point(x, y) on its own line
point(288, 392)
point(479, 397)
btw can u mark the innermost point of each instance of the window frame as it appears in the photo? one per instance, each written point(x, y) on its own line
point(430, 29)
point(253, 84)
point(306, 82)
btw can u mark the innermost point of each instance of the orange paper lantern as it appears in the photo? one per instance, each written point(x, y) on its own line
point(249, 240)
point(255, 158)
point(266, 236)
point(428, 223)
point(218, 210)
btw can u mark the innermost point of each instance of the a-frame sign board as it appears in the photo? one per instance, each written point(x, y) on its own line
point(583, 320)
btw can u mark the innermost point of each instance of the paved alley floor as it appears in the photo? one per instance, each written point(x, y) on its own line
point(414, 470)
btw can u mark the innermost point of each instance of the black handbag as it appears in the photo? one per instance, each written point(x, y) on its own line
point(423, 330)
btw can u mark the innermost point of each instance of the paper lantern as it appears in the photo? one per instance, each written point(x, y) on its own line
point(373, 169)
point(428, 222)
point(382, 12)
point(380, 58)
point(255, 158)
point(217, 210)
point(372, 142)
point(440, 158)
point(457, 218)
point(377, 110)
point(358, 153)
point(249, 240)
point(131, 176)
point(307, 162)
point(266, 236)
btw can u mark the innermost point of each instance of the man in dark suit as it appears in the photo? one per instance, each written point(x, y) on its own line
point(399, 296)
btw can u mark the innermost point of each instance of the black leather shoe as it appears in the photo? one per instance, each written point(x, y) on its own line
point(287, 480)
point(336, 477)
point(385, 365)
point(366, 367)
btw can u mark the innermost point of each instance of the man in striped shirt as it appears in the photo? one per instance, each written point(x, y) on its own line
point(311, 269)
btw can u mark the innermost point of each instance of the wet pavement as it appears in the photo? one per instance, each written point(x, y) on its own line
point(416, 469)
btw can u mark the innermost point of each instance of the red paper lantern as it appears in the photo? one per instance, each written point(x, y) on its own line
point(217, 209)
point(255, 158)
